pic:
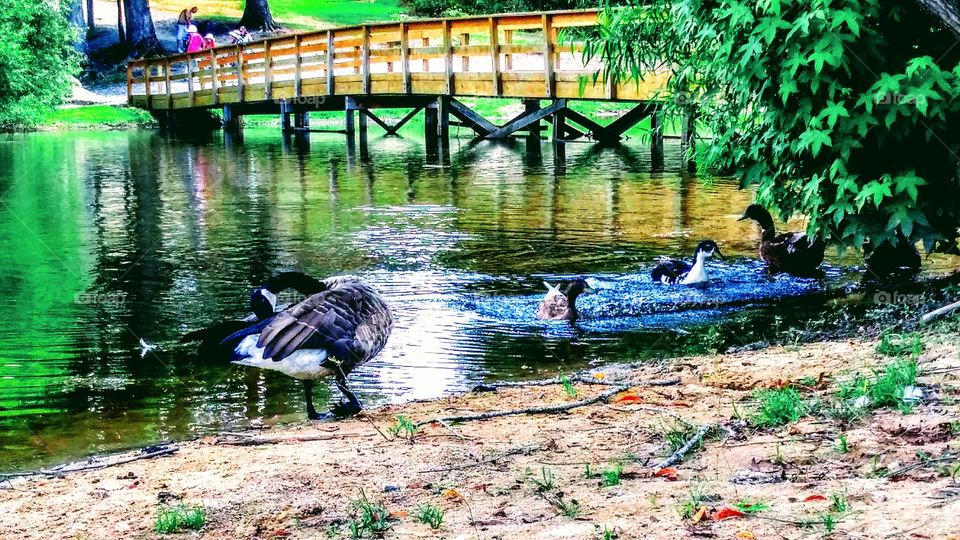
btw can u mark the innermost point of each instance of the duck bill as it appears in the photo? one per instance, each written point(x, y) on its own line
point(743, 217)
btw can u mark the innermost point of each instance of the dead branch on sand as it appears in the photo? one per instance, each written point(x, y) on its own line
point(97, 463)
point(498, 457)
point(677, 456)
point(258, 441)
point(940, 313)
point(582, 379)
point(546, 409)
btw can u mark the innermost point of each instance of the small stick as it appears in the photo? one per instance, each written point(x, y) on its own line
point(548, 409)
point(940, 313)
point(451, 430)
point(677, 456)
point(498, 457)
point(370, 420)
point(582, 380)
point(258, 441)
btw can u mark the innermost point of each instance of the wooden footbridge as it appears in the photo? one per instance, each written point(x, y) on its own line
point(422, 65)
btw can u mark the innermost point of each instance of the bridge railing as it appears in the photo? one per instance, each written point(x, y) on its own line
point(512, 55)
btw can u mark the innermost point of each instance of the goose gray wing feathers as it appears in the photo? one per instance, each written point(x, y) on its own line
point(350, 320)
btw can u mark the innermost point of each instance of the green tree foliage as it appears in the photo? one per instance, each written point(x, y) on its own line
point(37, 60)
point(836, 109)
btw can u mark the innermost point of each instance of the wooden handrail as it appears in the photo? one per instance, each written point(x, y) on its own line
point(362, 59)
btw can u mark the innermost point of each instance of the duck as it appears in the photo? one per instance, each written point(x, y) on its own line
point(561, 304)
point(891, 260)
point(675, 271)
point(792, 252)
point(329, 334)
point(263, 304)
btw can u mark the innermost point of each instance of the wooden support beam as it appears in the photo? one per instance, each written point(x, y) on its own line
point(465, 59)
point(147, 75)
point(405, 56)
point(621, 125)
point(365, 58)
point(430, 122)
point(331, 89)
point(581, 120)
point(349, 107)
point(443, 112)
point(559, 126)
point(425, 42)
point(508, 58)
point(297, 61)
point(447, 56)
point(190, 89)
point(239, 72)
point(130, 83)
point(548, 59)
point(688, 138)
point(369, 114)
point(656, 139)
point(267, 70)
point(396, 127)
point(167, 88)
point(471, 119)
point(526, 119)
point(495, 56)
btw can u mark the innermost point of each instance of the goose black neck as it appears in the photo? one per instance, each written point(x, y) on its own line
point(765, 220)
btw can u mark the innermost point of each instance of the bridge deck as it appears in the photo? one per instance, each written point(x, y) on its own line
point(525, 55)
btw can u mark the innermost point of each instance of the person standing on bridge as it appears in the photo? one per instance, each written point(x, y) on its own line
point(194, 40)
point(183, 24)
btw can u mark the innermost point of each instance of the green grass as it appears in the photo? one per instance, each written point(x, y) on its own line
point(694, 500)
point(403, 427)
point(778, 407)
point(568, 387)
point(545, 482)
point(751, 506)
point(171, 519)
point(370, 518)
point(99, 116)
point(337, 12)
point(611, 475)
point(883, 388)
point(901, 345)
point(429, 514)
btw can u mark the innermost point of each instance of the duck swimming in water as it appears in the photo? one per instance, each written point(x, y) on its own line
point(791, 252)
point(329, 334)
point(561, 304)
point(675, 271)
point(263, 304)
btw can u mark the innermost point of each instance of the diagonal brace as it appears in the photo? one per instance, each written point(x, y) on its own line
point(528, 118)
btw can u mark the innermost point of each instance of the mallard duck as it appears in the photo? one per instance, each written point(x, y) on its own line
point(675, 271)
point(791, 252)
point(263, 304)
point(330, 333)
point(561, 304)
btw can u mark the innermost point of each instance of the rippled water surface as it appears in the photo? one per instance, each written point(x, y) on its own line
point(107, 238)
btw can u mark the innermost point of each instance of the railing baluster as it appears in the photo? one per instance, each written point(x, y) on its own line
point(297, 61)
point(193, 98)
point(405, 56)
point(508, 58)
point(465, 59)
point(495, 55)
point(267, 71)
point(448, 56)
point(148, 75)
point(166, 76)
point(214, 77)
point(330, 58)
point(239, 72)
point(365, 58)
point(548, 66)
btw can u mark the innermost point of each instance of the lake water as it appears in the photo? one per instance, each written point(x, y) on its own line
point(107, 238)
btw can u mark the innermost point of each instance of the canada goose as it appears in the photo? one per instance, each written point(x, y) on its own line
point(889, 261)
point(791, 252)
point(263, 304)
point(560, 305)
point(675, 271)
point(330, 333)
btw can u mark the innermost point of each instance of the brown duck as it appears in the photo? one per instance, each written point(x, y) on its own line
point(791, 252)
point(560, 303)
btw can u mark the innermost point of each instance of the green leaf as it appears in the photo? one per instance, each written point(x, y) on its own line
point(908, 182)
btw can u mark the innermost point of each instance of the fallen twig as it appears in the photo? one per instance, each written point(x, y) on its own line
point(498, 457)
point(677, 456)
point(582, 379)
point(370, 421)
point(96, 463)
point(455, 432)
point(940, 313)
point(258, 441)
point(547, 409)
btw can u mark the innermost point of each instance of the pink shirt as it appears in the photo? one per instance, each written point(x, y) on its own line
point(194, 43)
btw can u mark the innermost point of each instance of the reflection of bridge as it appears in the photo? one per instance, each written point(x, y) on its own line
point(419, 65)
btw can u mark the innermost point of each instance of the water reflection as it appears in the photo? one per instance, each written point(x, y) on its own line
point(179, 231)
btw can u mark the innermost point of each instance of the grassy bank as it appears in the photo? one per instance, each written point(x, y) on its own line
point(98, 117)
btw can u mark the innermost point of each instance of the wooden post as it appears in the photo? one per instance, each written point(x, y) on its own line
point(167, 87)
point(508, 58)
point(548, 65)
point(531, 106)
point(365, 59)
point(611, 88)
point(495, 55)
point(430, 128)
point(239, 72)
point(426, 61)
point(349, 125)
point(130, 83)
point(297, 61)
point(285, 110)
point(405, 56)
point(330, 55)
point(443, 120)
point(193, 98)
point(267, 71)
point(148, 74)
point(465, 59)
point(688, 138)
point(447, 57)
point(559, 126)
point(656, 140)
point(215, 77)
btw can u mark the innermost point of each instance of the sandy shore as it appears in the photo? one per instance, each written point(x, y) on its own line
point(301, 481)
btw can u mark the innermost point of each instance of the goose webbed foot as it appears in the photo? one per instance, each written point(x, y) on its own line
point(347, 408)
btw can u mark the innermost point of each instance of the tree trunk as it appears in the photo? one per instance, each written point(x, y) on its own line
point(946, 11)
point(141, 34)
point(256, 15)
point(76, 19)
point(121, 33)
point(91, 24)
